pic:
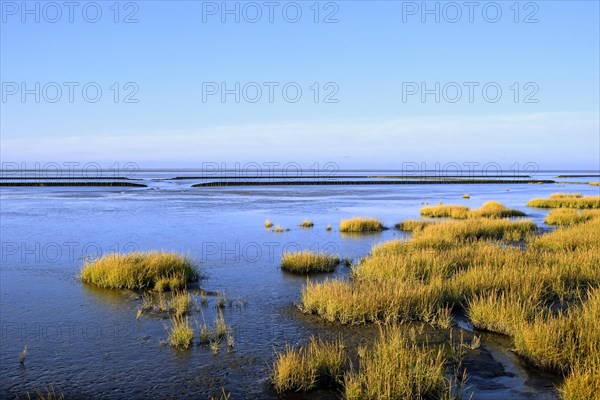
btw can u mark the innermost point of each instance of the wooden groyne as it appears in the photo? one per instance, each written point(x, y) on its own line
point(374, 182)
point(71, 184)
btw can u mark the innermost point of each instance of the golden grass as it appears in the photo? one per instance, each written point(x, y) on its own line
point(490, 209)
point(397, 368)
point(566, 196)
point(363, 301)
point(568, 216)
point(412, 225)
point(446, 211)
point(594, 183)
point(303, 368)
point(268, 224)
point(494, 209)
point(307, 223)
point(361, 224)
point(466, 196)
point(460, 232)
point(328, 227)
point(308, 261)
point(566, 201)
point(507, 289)
point(181, 334)
point(564, 341)
point(140, 270)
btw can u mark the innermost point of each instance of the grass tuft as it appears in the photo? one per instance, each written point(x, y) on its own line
point(137, 270)
point(308, 261)
point(268, 224)
point(181, 334)
point(307, 223)
point(304, 368)
point(361, 224)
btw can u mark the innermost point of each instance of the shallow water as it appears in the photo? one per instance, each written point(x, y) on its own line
point(86, 341)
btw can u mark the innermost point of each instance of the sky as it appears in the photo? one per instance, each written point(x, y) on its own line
point(364, 84)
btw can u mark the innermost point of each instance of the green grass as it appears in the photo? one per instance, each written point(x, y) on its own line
point(544, 294)
point(306, 367)
point(566, 201)
point(138, 270)
point(361, 224)
point(306, 261)
point(181, 334)
point(397, 368)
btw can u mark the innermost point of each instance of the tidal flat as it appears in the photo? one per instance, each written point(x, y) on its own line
point(86, 341)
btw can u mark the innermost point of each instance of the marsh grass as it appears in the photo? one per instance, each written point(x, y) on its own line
point(328, 227)
point(397, 368)
point(181, 334)
point(138, 270)
point(178, 303)
point(412, 225)
point(302, 369)
point(494, 209)
point(568, 216)
point(308, 261)
point(361, 224)
point(268, 224)
point(446, 211)
point(307, 223)
point(490, 209)
point(559, 200)
point(594, 183)
point(475, 229)
point(48, 393)
point(544, 294)
point(466, 196)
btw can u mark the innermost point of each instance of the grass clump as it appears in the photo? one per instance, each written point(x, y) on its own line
point(307, 223)
point(361, 224)
point(461, 232)
point(308, 261)
point(466, 196)
point(179, 303)
point(568, 217)
point(138, 270)
point(303, 368)
point(397, 368)
point(181, 334)
point(328, 227)
point(268, 224)
point(412, 225)
point(494, 209)
point(559, 200)
point(446, 211)
point(594, 183)
point(490, 209)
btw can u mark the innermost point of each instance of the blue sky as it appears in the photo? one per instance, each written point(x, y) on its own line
point(367, 62)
